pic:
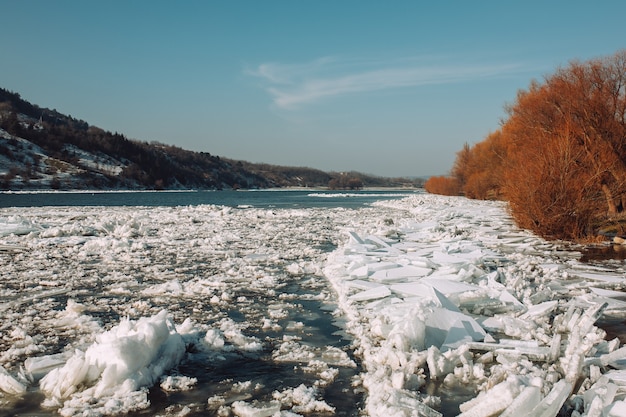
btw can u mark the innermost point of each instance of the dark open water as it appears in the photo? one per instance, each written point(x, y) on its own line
point(256, 199)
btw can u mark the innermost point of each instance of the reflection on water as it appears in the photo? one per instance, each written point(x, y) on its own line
point(613, 328)
point(604, 253)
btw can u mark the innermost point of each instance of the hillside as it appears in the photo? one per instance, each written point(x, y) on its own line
point(44, 149)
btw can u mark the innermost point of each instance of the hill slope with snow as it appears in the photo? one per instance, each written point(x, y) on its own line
point(44, 149)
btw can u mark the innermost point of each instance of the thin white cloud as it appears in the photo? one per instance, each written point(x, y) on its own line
point(293, 85)
point(291, 73)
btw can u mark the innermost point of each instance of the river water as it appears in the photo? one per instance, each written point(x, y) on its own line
point(246, 263)
point(297, 198)
point(246, 267)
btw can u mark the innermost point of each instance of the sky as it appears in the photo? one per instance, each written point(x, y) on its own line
point(389, 88)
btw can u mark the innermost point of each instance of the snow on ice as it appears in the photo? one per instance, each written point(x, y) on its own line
point(450, 309)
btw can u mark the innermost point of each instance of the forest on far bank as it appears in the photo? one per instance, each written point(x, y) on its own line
point(559, 157)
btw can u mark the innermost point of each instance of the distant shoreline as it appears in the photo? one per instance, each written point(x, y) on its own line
point(313, 189)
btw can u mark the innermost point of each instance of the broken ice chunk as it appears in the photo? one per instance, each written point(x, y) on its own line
point(509, 300)
point(407, 246)
point(599, 276)
point(402, 273)
point(471, 253)
point(511, 326)
point(449, 329)
point(10, 385)
point(421, 261)
point(372, 294)
point(377, 241)
point(379, 266)
point(364, 285)
point(360, 272)
point(413, 289)
point(38, 367)
point(446, 259)
point(608, 293)
point(616, 307)
point(515, 349)
point(617, 409)
point(552, 403)
point(617, 376)
point(527, 398)
point(447, 287)
point(542, 309)
point(602, 390)
point(493, 401)
point(356, 238)
point(244, 409)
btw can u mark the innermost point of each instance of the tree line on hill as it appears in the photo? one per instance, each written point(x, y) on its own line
point(559, 158)
point(147, 165)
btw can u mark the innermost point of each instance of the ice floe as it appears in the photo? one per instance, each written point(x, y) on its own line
point(103, 308)
point(488, 306)
point(450, 309)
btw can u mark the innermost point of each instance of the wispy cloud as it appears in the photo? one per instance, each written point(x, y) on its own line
point(294, 85)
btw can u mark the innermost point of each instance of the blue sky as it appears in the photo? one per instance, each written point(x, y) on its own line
point(391, 88)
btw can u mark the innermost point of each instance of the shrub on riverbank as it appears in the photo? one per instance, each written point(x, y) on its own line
point(442, 185)
point(559, 158)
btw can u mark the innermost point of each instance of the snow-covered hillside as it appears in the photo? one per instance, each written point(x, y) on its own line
point(25, 165)
point(44, 149)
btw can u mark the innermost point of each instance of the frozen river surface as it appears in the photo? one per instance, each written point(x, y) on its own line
point(416, 307)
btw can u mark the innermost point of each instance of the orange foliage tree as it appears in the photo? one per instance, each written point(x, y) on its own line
point(442, 185)
point(566, 165)
point(479, 168)
point(560, 156)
